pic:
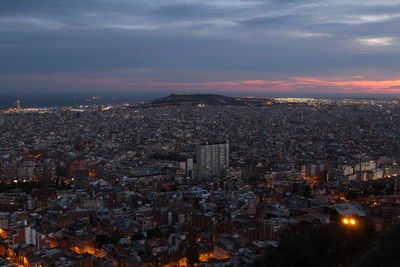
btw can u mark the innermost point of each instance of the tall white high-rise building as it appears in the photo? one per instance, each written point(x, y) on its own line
point(212, 160)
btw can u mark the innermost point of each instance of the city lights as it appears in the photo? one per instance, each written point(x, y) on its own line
point(139, 182)
point(349, 221)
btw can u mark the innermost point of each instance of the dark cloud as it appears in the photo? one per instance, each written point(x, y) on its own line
point(285, 37)
point(378, 9)
point(380, 28)
point(185, 11)
point(275, 20)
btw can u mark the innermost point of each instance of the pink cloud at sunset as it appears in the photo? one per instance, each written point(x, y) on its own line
point(354, 84)
point(293, 84)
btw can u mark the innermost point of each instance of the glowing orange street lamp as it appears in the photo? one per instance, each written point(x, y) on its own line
point(349, 221)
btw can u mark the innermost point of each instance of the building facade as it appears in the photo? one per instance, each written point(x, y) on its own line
point(212, 160)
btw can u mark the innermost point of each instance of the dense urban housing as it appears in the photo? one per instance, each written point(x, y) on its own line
point(178, 183)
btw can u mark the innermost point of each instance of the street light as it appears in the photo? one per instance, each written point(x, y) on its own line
point(349, 221)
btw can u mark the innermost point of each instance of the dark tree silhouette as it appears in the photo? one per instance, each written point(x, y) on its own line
point(386, 253)
point(190, 249)
point(327, 245)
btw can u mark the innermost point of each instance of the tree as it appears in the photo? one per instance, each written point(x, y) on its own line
point(138, 236)
point(154, 233)
point(101, 240)
point(190, 249)
point(115, 237)
point(386, 252)
point(327, 245)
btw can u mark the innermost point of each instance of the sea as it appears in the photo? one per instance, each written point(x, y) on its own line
point(36, 100)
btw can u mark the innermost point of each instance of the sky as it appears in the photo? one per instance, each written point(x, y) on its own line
point(243, 47)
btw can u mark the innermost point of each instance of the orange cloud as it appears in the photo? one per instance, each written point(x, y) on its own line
point(366, 86)
point(352, 84)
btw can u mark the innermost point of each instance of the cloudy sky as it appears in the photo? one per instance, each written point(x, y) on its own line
point(223, 46)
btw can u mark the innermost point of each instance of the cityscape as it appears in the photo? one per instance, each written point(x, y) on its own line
point(199, 133)
point(185, 180)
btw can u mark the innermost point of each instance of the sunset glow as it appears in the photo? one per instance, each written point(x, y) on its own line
point(352, 85)
point(236, 47)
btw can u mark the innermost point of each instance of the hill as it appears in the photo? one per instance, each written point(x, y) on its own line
point(194, 99)
point(207, 99)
